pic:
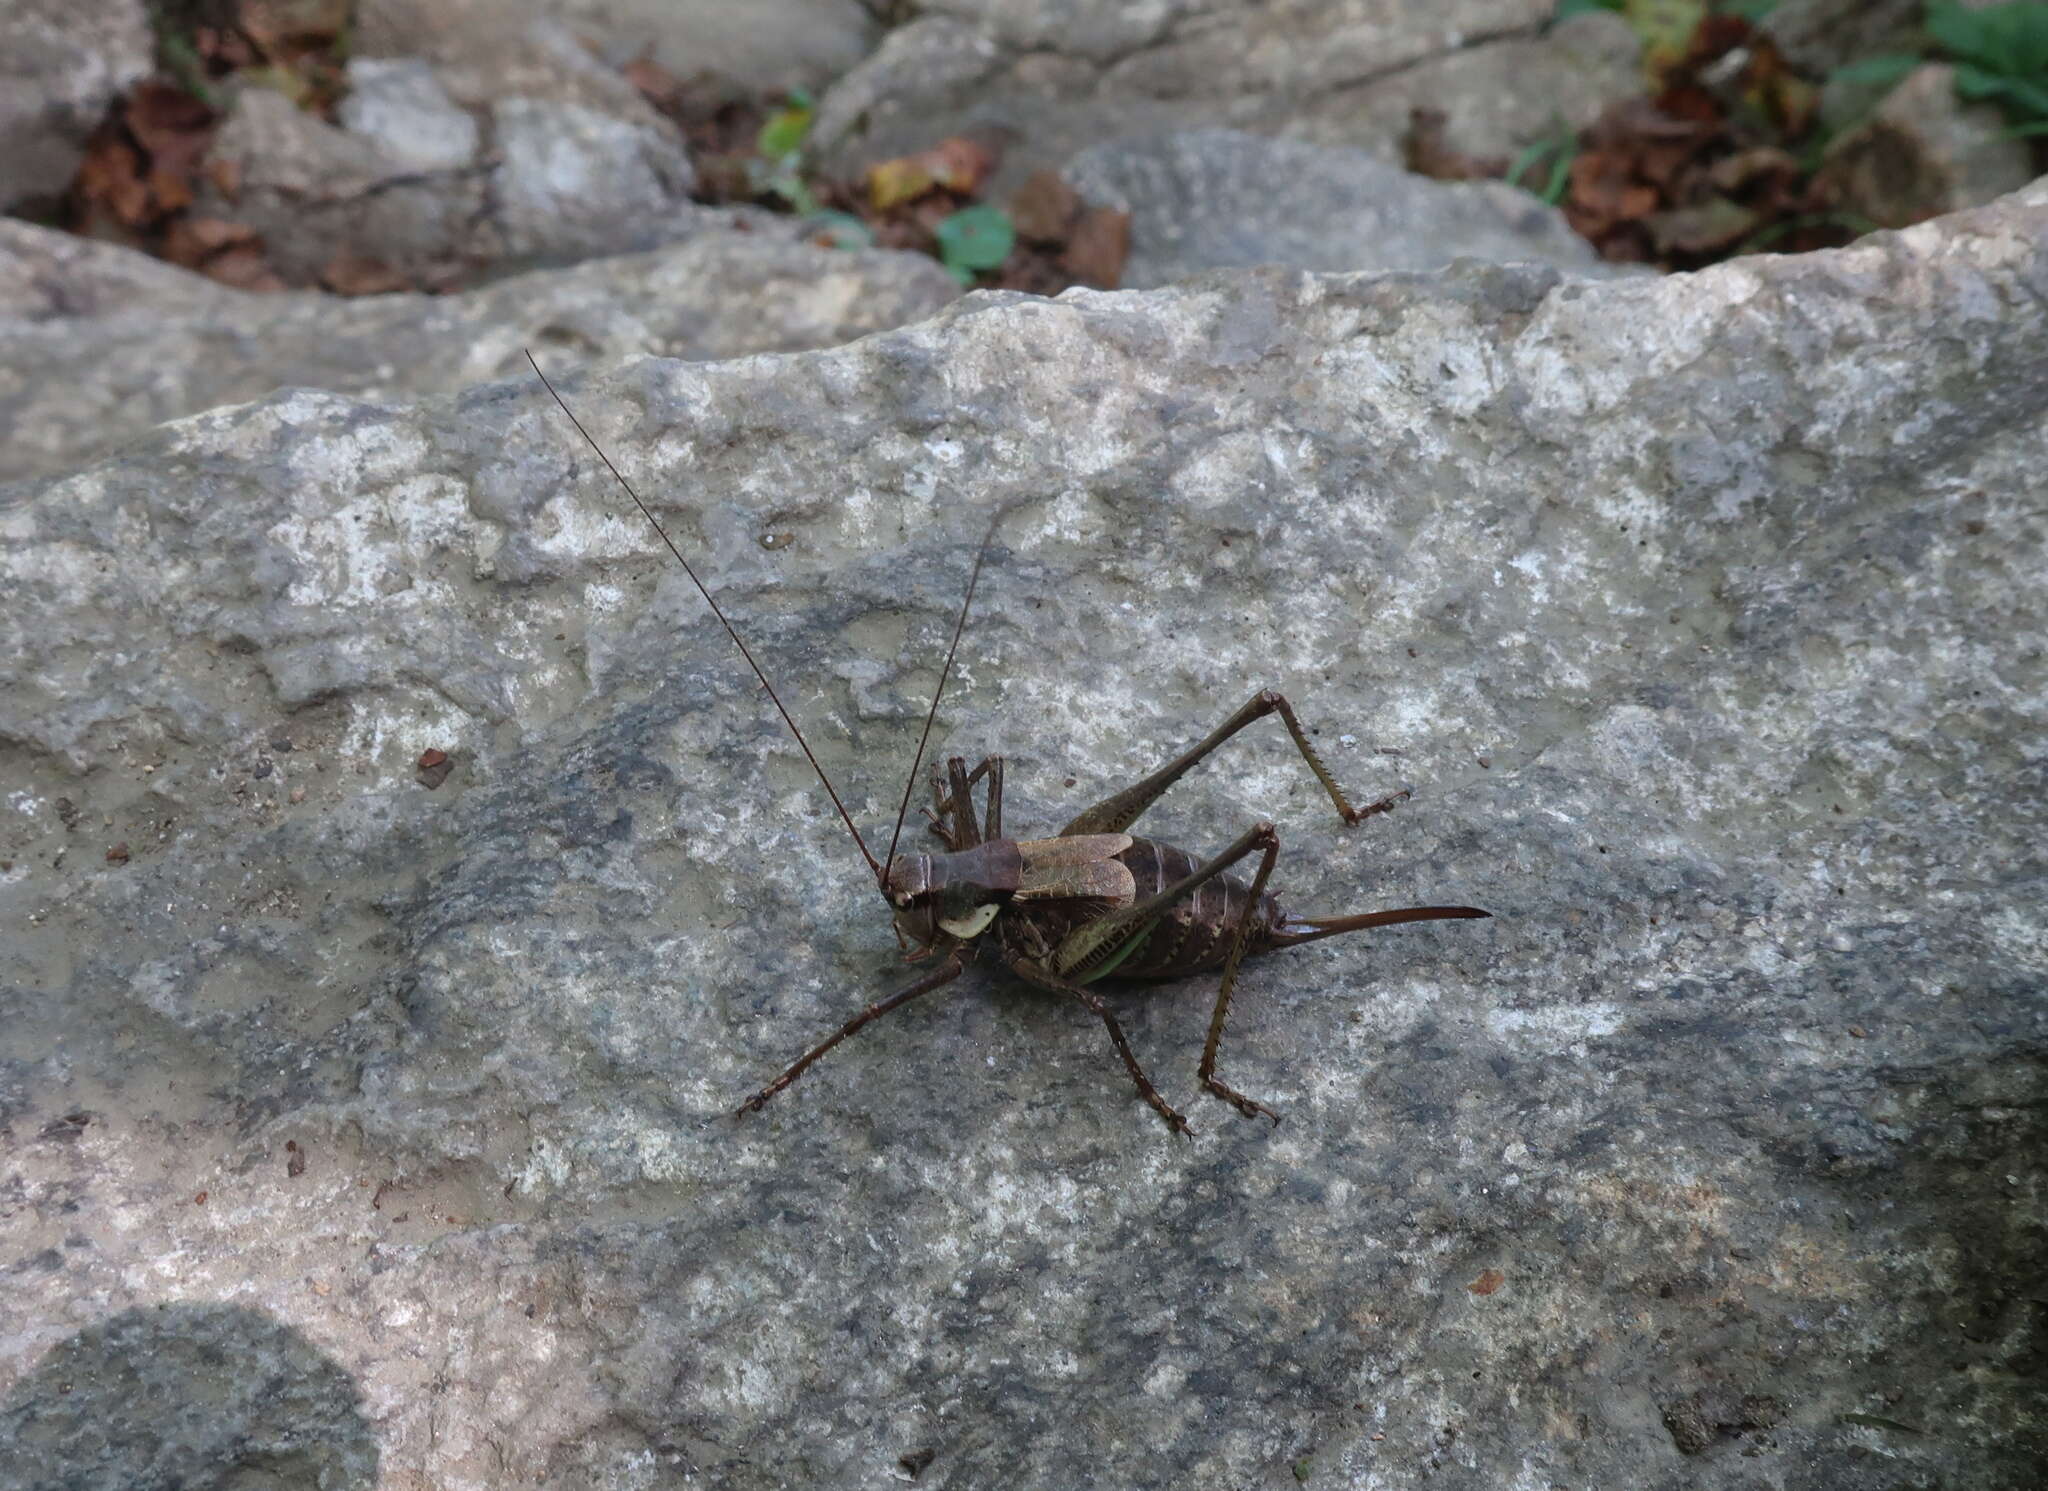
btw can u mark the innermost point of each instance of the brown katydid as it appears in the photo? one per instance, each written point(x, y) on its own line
point(1092, 902)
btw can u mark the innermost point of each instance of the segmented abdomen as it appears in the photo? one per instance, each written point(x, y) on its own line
point(1195, 934)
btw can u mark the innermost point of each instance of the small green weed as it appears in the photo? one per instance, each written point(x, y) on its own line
point(974, 239)
point(2000, 55)
point(780, 146)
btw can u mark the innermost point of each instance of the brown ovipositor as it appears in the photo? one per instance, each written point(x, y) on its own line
point(1091, 902)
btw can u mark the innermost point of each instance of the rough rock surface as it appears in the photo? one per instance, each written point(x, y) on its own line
point(98, 344)
point(1051, 78)
point(1220, 198)
point(1703, 615)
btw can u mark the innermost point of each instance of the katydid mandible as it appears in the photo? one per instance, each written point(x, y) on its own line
point(1093, 901)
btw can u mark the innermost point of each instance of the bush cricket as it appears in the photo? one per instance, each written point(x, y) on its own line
point(1094, 901)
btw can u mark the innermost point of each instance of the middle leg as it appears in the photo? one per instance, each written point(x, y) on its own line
point(1095, 948)
point(1045, 978)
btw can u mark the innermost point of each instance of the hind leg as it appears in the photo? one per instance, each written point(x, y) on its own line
point(1207, 1071)
point(1117, 813)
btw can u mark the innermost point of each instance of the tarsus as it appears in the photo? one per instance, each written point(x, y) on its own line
point(847, 818)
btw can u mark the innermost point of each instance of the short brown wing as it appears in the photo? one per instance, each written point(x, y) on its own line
point(1083, 866)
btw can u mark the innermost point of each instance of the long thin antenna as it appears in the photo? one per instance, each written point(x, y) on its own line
point(880, 879)
point(939, 692)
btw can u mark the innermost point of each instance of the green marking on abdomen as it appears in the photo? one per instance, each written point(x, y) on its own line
point(1131, 945)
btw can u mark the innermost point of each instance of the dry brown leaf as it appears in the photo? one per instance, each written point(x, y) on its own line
point(1707, 228)
point(1765, 164)
point(1598, 179)
point(1429, 152)
point(171, 191)
point(276, 24)
point(1098, 247)
point(111, 177)
point(169, 123)
point(926, 213)
point(1044, 207)
point(656, 83)
point(226, 176)
point(956, 164)
point(244, 268)
point(191, 241)
point(1660, 162)
point(894, 182)
point(1636, 202)
point(349, 273)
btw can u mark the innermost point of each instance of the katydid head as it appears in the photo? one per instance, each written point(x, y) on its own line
point(956, 896)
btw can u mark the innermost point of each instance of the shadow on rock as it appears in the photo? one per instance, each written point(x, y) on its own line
point(193, 1396)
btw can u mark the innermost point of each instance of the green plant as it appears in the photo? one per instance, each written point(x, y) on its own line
point(1853, 223)
point(841, 230)
point(780, 146)
point(974, 239)
point(1561, 143)
point(181, 59)
point(1879, 72)
point(1750, 10)
point(2000, 55)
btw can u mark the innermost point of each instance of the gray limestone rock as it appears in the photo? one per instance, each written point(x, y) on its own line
point(1496, 94)
point(318, 193)
point(399, 105)
point(98, 344)
point(1701, 614)
point(764, 44)
point(887, 97)
point(1216, 198)
point(526, 151)
point(61, 65)
point(49, 275)
point(1176, 48)
point(573, 182)
point(1049, 79)
point(1923, 151)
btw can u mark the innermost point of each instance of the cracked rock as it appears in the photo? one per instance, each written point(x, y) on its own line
point(1047, 79)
